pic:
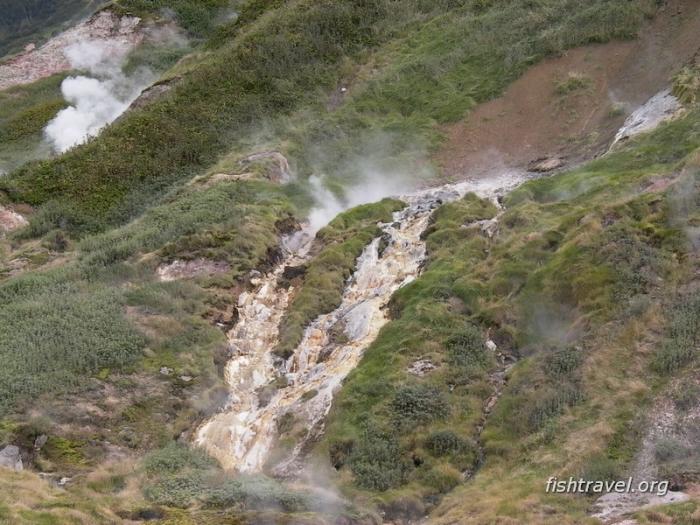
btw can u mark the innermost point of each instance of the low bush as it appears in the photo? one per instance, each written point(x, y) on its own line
point(442, 478)
point(682, 340)
point(174, 458)
point(418, 404)
point(445, 442)
point(377, 462)
point(466, 349)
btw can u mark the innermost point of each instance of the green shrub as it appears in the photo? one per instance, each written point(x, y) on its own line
point(682, 340)
point(180, 490)
point(377, 462)
point(175, 457)
point(442, 478)
point(600, 468)
point(466, 349)
point(551, 402)
point(670, 449)
point(563, 362)
point(418, 404)
point(572, 82)
point(254, 492)
point(445, 442)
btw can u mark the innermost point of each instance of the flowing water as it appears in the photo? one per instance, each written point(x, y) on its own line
point(242, 436)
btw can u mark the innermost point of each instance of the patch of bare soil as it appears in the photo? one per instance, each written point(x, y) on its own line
point(189, 269)
point(568, 109)
point(117, 33)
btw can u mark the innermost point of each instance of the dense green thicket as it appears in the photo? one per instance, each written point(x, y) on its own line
point(326, 275)
point(257, 77)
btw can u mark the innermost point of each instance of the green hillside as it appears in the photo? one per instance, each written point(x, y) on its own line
point(556, 344)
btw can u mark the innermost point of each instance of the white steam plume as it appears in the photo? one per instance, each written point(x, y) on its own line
point(97, 100)
point(373, 186)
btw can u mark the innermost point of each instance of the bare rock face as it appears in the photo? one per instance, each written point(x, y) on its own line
point(661, 107)
point(276, 168)
point(10, 220)
point(11, 458)
point(421, 367)
point(189, 269)
point(151, 94)
point(546, 164)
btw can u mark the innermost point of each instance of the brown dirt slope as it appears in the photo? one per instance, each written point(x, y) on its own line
point(569, 107)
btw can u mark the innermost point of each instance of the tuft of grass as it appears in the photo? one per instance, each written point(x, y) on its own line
point(573, 82)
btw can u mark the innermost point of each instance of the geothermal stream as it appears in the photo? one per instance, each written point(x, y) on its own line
point(243, 434)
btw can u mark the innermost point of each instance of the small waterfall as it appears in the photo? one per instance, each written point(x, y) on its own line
point(242, 436)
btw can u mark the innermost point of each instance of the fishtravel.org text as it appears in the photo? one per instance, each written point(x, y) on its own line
point(587, 486)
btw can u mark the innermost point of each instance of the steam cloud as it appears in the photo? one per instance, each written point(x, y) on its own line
point(372, 187)
point(378, 174)
point(97, 100)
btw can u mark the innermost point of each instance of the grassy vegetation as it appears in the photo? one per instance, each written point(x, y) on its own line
point(569, 285)
point(55, 331)
point(24, 112)
point(70, 321)
point(581, 250)
point(257, 78)
point(321, 290)
point(197, 17)
point(26, 21)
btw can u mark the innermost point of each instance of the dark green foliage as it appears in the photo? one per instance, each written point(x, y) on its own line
point(680, 346)
point(111, 179)
point(442, 479)
point(466, 349)
point(600, 468)
point(376, 460)
point(549, 403)
point(418, 404)
point(563, 362)
point(179, 490)
point(232, 222)
point(669, 449)
point(175, 457)
point(636, 263)
point(24, 112)
point(258, 76)
point(197, 17)
point(445, 442)
point(541, 391)
point(686, 396)
point(255, 492)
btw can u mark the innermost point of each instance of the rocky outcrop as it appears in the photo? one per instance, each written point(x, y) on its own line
point(11, 458)
point(188, 269)
point(10, 220)
point(661, 107)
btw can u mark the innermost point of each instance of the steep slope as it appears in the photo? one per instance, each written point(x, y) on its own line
point(513, 329)
point(28, 21)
